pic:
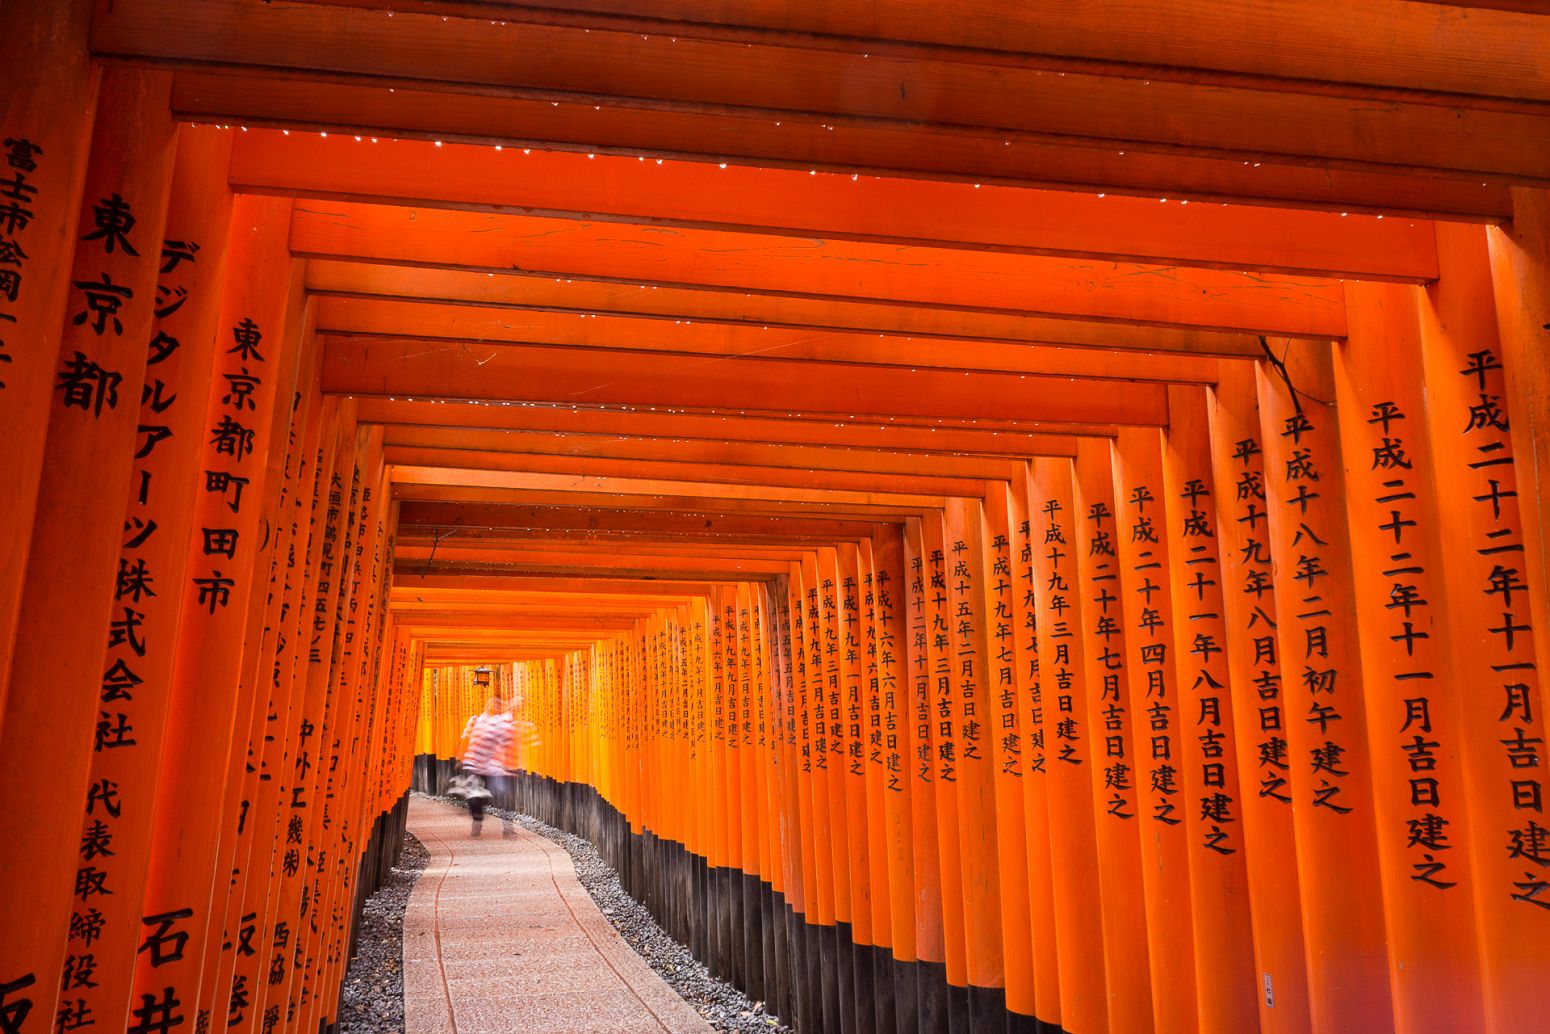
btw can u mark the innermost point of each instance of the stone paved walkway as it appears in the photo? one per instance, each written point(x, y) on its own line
point(500, 937)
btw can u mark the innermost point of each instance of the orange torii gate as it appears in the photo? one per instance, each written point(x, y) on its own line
point(992, 517)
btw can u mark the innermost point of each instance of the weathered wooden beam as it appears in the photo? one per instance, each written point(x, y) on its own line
point(404, 474)
point(662, 500)
point(731, 427)
point(1480, 54)
point(606, 446)
point(793, 75)
point(586, 523)
point(477, 324)
point(807, 143)
point(394, 367)
point(913, 213)
point(522, 292)
point(701, 472)
point(1119, 292)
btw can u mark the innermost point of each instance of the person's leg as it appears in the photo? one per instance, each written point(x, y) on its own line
point(500, 786)
point(476, 810)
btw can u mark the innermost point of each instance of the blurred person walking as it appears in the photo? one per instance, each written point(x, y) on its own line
point(487, 740)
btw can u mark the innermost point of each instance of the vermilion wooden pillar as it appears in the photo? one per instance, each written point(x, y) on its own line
point(1488, 580)
point(979, 829)
point(1001, 715)
point(48, 93)
point(239, 421)
point(930, 948)
point(898, 754)
point(296, 814)
point(279, 832)
point(1068, 749)
point(302, 799)
point(334, 861)
point(946, 745)
point(1111, 717)
point(238, 806)
point(142, 635)
point(1520, 274)
point(1411, 701)
point(1325, 714)
point(1259, 710)
point(63, 705)
point(1139, 529)
point(1034, 704)
point(1224, 977)
point(248, 838)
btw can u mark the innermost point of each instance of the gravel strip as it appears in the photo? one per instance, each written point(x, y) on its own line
point(723, 1006)
point(372, 999)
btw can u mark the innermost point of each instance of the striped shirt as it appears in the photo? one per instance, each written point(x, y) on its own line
point(489, 738)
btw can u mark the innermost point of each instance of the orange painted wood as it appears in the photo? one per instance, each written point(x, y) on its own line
point(516, 373)
point(1520, 275)
point(1000, 711)
point(1258, 680)
point(1067, 750)
point(1136, 459)
point(194, 770)
point(876, 704)
point(142, 644)
point(1195, 39)
point(930, 924)
point(1225, 985)
point(947, 746)
point(298, 816)
point(1112, 718)
point(787, 78)
point(979, 827)
point(975, 280)
point(755, 306)
point(468, 323)
point(1346, 959)
point(730, 429)
point(256, 844)
point(1462, 359)
point(1396, 558)
point(806, 144)
point(694, 472)
point(48, 98)
point(60, 710)
point(704, 452)
point(892, 211)
point(1032, 702)
point(560, 483)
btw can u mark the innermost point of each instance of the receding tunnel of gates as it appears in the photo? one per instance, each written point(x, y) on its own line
point(943, 739)
point(1192, 690)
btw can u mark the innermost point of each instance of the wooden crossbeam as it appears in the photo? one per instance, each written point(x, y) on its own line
point(1480, 56)
point(579, 522)
point(790, 75)
point(393, 367)
point(1051, 439)
point(1037, 285)
point(664, 499)
point(478, 324)
point(810, 144)
point(795, 457)
point(755, 307)
point(699, 473)
point(870, 209)
point(403, 474)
